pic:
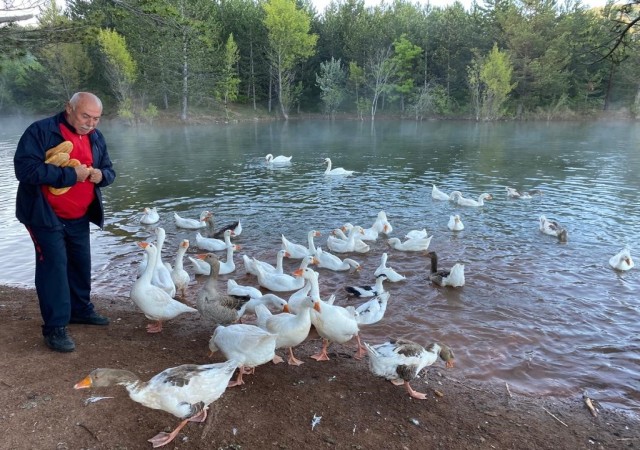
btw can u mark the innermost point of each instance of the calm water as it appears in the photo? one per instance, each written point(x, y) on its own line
point(548, 318)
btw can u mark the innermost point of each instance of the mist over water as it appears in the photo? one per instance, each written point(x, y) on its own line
point(547, 318)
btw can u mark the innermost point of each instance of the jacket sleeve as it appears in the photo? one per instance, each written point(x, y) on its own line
point(104, 161)
point(29, 158)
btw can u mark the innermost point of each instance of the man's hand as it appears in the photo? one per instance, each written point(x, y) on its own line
point(95, 176)
point(82, 172)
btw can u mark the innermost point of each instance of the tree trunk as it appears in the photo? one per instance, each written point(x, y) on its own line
point(185, 76)
point(607, 96)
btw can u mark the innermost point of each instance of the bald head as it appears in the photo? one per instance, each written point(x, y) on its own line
point(84, 110)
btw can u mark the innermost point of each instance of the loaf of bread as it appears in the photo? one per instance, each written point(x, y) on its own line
point(59, 156)
point(58, 159)
point(65, 147)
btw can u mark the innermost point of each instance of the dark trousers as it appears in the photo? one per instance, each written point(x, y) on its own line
point(63, 272)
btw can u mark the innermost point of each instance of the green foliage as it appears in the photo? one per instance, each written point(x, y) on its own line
point(150, 113)
point(290, 42)
point(227, 85)
point(120, 68)
point(125, 111)
point(431, 100)
point(176, 54)
point(405, 58)
point(495, 74)
point(331, 81)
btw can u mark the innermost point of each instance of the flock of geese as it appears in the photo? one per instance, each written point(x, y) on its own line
point(160, 293)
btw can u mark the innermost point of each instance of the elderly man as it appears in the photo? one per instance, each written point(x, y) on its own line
point(61, 163)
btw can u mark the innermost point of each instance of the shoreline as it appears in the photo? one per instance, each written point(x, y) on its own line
point(358, 410)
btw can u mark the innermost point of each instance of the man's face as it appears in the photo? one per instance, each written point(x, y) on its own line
point(85, 117)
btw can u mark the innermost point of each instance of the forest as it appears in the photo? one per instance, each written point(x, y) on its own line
point(502, 59)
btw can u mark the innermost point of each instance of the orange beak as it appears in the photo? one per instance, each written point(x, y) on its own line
point(201, 256)
point(143, 244)
point(286, 309)
point(297, 272)
point(85, 383)
point(316, 306)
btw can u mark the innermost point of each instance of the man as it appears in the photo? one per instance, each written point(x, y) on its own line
point(58, 196)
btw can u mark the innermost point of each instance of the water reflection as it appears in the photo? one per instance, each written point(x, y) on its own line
point(548, 318)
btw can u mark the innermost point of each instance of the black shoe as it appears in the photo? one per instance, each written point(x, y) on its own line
point(92, 319)
point(59, 341)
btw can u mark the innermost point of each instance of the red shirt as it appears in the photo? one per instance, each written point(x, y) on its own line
point(74, 203)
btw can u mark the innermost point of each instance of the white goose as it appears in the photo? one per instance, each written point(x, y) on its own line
point(622, 260)
point(416, 234)
point(455, 223)
point(349, 245)
point(437, 194)
point(213, 244)
point(179, 276)
point(522, 195)
point(291, 329)
point(391, 274)
point(333, 323)
point(368, 291)
point(185, 391)
point(162, 275)
point(269, 300)
point(453, 277)
point(228, 266)
point(249, 263)
point(462, 201)
point(329, 261)
point(233, 288)
point(553, 228)
point(337, 170)
point(249, 345)
point(311, 288)
point(199, 266)
point(155, 303)
point(298, 251)
point(410, 245)
point(400, 361)
point(380, 225)
point(279, 160)
point(338, 235)
point(336, 324)
point(150, 216)
point(372, 311)
point(278, 282)
point(192, 224)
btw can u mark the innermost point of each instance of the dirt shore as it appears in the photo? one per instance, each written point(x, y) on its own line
point(40, 409)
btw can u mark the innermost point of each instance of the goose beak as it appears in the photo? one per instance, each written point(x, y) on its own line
point(316, 306)
point(286, 309)
point(85, 383)
point(143, 244)
point(297, 272)
point(201, 256)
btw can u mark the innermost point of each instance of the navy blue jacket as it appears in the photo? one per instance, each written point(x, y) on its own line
point(32, 208)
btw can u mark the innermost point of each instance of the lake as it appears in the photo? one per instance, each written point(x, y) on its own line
point(548, 318)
